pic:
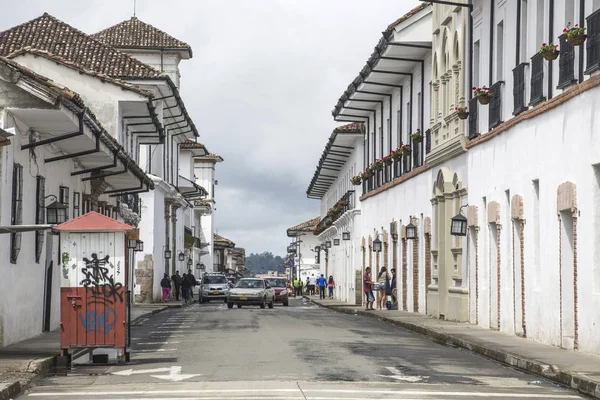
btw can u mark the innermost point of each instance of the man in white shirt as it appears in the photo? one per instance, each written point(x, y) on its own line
point(313, 282)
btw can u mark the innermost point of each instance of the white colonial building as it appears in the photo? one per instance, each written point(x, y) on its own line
point(85, 123)
point(304, 250)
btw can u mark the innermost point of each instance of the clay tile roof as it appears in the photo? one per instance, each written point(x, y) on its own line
point(136, 34)
point(409, 14)
point(93, 222)
point(54, 36)
point(191, 144)
point(309, 225)
point(354, 127)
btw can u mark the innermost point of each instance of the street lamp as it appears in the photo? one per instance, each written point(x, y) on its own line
point(346, 235)
point(190, 262)
point(458, 224)
point(56, 212)
point(181, 256)
point(377, 245)
point(140, 246)
point(336, 242)
point(411, 231)
point(167, 254)
point(132, 243)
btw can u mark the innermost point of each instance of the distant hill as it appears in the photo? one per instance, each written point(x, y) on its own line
point(263, 262)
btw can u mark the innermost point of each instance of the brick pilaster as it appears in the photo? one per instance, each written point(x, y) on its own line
point(522, 261)
point(416, 275)
point(427, 266)
point(575, 306)
point(476, 275)
point(404, 273)
point(499, 263)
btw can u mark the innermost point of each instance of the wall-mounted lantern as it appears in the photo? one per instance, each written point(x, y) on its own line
point(56, 212)
point(181, 256)
point(328, 244)
point(317, 249)
point(139, 246)
point(411, 231)
point(346, 235)
point(458, 224)
point(336, 242)
point(190, 262)
point(167, 254)
point(132, 244)
point(377, 245)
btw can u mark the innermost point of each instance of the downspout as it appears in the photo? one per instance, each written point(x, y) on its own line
point(550, 34)
point(375, 134)
point(491, 43)
point(470, 11)
point(390, 124)
point(581, 23)
point(423, 112)
point(381, 127)
point(519, 23)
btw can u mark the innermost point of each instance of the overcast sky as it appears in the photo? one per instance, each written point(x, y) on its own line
point(261, 86)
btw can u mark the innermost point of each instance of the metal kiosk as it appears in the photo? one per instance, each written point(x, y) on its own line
point(94, 278)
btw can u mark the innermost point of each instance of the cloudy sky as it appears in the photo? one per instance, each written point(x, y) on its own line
point(261, 86)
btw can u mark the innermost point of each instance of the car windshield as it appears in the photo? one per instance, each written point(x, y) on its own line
point(250, 284)
point(211, 280)
point(276, 282)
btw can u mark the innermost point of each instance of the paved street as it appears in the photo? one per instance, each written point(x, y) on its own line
point(298, 352)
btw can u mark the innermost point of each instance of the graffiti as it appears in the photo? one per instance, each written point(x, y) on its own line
point(65, 263)
point(103, 287)
point(98, 321)
point(118, 267)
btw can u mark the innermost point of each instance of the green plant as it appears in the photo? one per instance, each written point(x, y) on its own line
point(417, 136)
point(356, 180)
point(548, 48)
point(188, 240)
point(572, 31)
point(482, 92)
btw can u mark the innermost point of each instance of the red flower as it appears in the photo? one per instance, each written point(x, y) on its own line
point(474, 88)
point(576, 25)
point(565, 30)
point(543, 44)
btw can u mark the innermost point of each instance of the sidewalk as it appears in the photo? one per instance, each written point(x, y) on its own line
point(22, 362)
point(579, 371)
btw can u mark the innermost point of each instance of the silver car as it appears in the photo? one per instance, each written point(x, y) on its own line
point(251, 291)
point(214, 287)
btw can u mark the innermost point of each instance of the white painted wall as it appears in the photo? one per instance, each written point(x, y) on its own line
point(166, 61)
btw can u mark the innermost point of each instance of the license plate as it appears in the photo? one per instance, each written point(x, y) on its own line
point(216, 292)
point(243, 298)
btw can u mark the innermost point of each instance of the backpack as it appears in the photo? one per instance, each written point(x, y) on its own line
point(388, 303)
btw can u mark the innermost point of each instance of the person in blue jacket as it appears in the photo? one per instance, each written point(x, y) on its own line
point(322, 283)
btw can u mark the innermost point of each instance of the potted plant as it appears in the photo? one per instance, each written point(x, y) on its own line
point(462, 112)
point(366, 174)
point(397, 154)
point(549, 51)
point(483, 94)
point(575, 34)
point(356, 180)
point(417, 137)
point(387, 160)
point(377, 165)
point(406, 149)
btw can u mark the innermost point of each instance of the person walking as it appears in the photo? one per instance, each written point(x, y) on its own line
point(383, 284)
point(313, 284)
point(192, 280)
point(330, 286)
point(185, 288)
point(368, 289)
point(307, 287)
point(177, 283)
point(394, 290)
point(297, 287)
point(165, 284)
point(322, 283)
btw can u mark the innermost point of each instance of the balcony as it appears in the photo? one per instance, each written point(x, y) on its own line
point(566, 63)
point(473, 118)
point(537, 80)
point(345, 203)
point(519, 88)
point(496, 105)
point(593, 43)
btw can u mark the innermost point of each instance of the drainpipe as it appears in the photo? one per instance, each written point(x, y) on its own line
point(581, 23)
point(550, 34)
point(491, 44)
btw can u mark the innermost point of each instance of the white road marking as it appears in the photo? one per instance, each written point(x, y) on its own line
point(173, 331)
point(171, 327)
point(399, 376)
point(175, 375)
point(152, 350)
point(128, 372)
point(153, 343)
point(370, 393)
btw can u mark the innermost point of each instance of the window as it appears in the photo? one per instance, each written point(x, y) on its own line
point(40, 210)
point(500, 51)
point(16, 212)
point(76, 202)
point(523, 48)
point(389, 124)
point(63, 197)
point(399, 112)
point(409, 115)
point(476, 54)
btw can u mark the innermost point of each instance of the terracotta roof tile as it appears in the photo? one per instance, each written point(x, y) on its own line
point(191, 144)
point(54, 36)
point(219, 238)
point(305, 226)
point(354, 127)
point(93, 222)
point(136, 34)
point(409, 14)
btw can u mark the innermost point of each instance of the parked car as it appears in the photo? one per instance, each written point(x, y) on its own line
point(281, 290)
point(232, 281)
point(214, 286)
point(251, 291)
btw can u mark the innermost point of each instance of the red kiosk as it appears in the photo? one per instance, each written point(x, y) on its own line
point(94, 299)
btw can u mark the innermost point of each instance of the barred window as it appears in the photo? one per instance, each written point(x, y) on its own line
point(17, 211)
point(40, 211)
point(63, 197)
point(76, 204)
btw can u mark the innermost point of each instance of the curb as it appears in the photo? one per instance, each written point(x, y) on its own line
point(145, 315)
point(9, 390)
point(551, 372)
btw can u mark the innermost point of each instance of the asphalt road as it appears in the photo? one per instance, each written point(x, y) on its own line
point(297, 352)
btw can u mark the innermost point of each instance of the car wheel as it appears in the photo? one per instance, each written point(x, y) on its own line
point(225, 301)
point(272, 302)
point(229, 305)
point(263, 303)
point(239, 306)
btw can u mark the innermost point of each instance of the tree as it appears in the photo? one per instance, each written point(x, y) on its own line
point(263, 262)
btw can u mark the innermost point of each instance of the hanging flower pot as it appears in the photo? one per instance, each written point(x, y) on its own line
point(549, 51)
point(387, 160)
point(575, 35)
point(406, 149)
point(483, 94)
point(462, 112)
point(396, 154)
point(356, 180)
point(417, 137)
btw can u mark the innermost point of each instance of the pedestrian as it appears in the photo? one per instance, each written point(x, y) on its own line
point(307, 287)
point(297, 287)
point(383, 285)
point(322, 283)
point(177, 283)
point(368, 289)
point(330, 286)
point(394, 290)
point(192, 280)
point(185, 288)
point(313, 284)
point(165, 284)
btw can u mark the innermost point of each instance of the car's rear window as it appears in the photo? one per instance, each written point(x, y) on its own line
point(276, 282)
point(214, 279)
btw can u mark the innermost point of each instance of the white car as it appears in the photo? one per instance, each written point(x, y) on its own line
point(251, 291)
